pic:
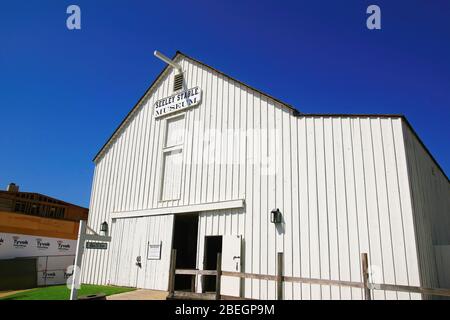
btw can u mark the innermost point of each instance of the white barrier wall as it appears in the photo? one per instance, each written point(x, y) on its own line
point(53, 255)
point(53, 269)
point(20, 245)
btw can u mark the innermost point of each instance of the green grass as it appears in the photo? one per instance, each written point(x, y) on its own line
point(63, 293)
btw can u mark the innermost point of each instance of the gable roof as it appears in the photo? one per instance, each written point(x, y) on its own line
point(176, 56)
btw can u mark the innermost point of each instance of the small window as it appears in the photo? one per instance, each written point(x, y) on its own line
point(174, 131)
point(34, 209)
point(178, 82)
point(60, 212)
point(18, 207)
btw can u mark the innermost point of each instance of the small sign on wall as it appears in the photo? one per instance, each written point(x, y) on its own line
point(154, 251)
point(97, 245)
point(186, 99)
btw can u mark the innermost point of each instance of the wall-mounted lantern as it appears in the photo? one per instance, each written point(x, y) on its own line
point(275, 216)
point(104, 227)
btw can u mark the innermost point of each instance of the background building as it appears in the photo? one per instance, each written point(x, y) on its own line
point(38, 237)
point(30, 203)
point(201, 161)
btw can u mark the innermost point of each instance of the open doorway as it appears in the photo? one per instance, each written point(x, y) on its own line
point(213, 246)
point(185, 242)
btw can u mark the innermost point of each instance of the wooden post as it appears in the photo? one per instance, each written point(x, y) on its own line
point(219, 275)
point(365, 276)
point(193, 282)
point(280, 275)
point(173, 258)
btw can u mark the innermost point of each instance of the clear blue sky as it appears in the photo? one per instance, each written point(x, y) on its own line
point(62, 93)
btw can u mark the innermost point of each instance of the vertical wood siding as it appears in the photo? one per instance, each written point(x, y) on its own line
point(342, 186)
point(442, 253)
point(430, 194)
point(219, 222)
point(340, 182)
point(131, 239)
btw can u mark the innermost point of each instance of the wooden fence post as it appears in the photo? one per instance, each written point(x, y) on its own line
point(193, 283)
point(280, 275)
point(173, 258)
point(365, 276)
point(219, 275)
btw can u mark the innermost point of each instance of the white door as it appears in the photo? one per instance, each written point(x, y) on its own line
point(231, 261)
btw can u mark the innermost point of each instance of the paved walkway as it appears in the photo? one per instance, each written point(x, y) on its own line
point(139, 294)
point(6, 293)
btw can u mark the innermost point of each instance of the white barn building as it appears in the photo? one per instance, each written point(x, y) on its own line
point(201, 161)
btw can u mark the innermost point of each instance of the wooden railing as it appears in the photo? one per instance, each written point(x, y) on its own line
point(280, 278)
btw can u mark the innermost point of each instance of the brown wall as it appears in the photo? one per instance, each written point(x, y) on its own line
point(38, 226)
point(76, 213)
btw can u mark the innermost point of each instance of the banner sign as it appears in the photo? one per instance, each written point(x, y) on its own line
point(96, 245)
point(20, 245)
point(179, 101)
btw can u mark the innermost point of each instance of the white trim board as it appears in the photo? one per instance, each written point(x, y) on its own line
point(232, 204)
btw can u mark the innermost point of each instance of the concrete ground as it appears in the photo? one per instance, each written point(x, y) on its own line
point(139, 294)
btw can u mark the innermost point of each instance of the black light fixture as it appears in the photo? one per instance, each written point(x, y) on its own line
point(275, 216)
point(104, 227)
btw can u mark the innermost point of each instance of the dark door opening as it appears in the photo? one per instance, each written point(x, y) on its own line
point(213, 246)
point(185, 242)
